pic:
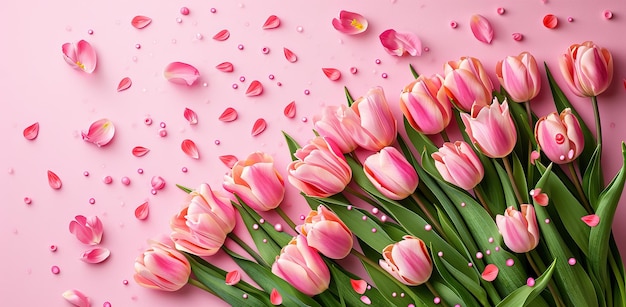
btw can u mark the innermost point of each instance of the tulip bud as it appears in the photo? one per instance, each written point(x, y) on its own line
point(458, 164)
point(587, 69)
point(391, 174)
point(302, 267)
point(326, 233)
point(425, 105)
point(338, 123)
point(466, 83)
point(408, 261)
point(162, 267)
point(491, 129)
point(519, 229)
point(560, 137)
point(378, 127)
point(519, 75)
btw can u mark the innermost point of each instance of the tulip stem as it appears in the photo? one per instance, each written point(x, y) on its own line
point(551, 287)
point(596, 115)
point(200, 285)
point(509, 171)
point(579, 187)
point(482, 200)
point(286, 218)
point(248, 249)
point(444, 136)
point(531, 168)
point(428, 215)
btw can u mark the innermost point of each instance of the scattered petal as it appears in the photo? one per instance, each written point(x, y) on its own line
point(228, 115)
point(350, 23)
point(142, 211)
point(591, 220)
point(221, 35)
point(157, 182)
point(225, 67)
point(255, 89)
point(366, 300)
point(181, 73)
point(290, 110)
point(100, 132)
point(259, 126)
point(481, 27)
point(398, 44)
point(540, 198)
point(76, 298)
point(229, 160)
point(233, 277)
point(124, 84)
point(31, 132)
point(550, 21)
point(290, 56)
point(490, 273)
point(80, 56)
point(140, 151)
point(190, 149)
point(87, 230)
point(275, 297)
point(332, 73)
point(54, 181)
point(140, 22)
point(534, 155)
point(272, 22)
point(359, 286)
point(95, 255)
point(191, 116)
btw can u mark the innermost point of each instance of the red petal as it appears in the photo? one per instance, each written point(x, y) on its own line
point(124, 84)
point(255, 89)
point(550, 21)
point(233, 277)
point(191, 116)
point(141, 212)
point(259, 126)
point(332, 73)
point(54, 181)
point(221, 35)
point(289, 55)
point(591, 220)
point(275, 297)
point(272, 22)
point(141, 22)
point(31, 132)
point(359, 286)
point(229, 160)
point(490, 273)
point(228, 115)
point(225, 67)
point(140, 151)
point(190, 148)
point(290, 110)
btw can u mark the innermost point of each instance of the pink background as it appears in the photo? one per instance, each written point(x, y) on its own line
point(38, 86)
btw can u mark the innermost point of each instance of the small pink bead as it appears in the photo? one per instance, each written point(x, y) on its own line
point(125, 180)
point(27, 200)
point(530, 282)
point(479, 255)
point(90, 32)
point(53, 248)
point(302, 217)
point(137, 46)
point(271, 77)
point(242, 79)
point(307, 92)
point(571, 261)
point(179, 20)
point(92, 200)
point(364, 217)
point(436, 300)
point(374, 211)
point(383, 218)
point(440, 254)
point(462, 204)
point(213, 10)
point(55, 269)
point(278, 227)
point(265, 50)
point(261, 221)
point(184, 169)
point(184, 10)
point(245, 296)
point(607, 14)
point(426, 49)
point(470, 264)
point(162, 132)
point(384, 75)
point(510, 262)
point(86, 173)
point(490, 240)
point(349, 207)
point(235, 86)
point(353, 70)
point(125, 282)
point(153, 192)
point(428, 227)
point(500, 10)
point(106, 304)
point(162, 125)
point(547, 221)
point(140, 171)
point(147, 121)
point(255, 226)
point(570, 19)
point(374, 230)
point(453, 24)
point(240, 47)
point(377, 61)
point(304, 119)
point(279, 84)
point(107, 179)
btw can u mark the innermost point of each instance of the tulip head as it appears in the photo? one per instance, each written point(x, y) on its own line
point(519, 228)
point(378, 127)
point(302, 267)
point(560, 136)
point(408, 261)
point(587, 69)
point(458, 164)
point(326, 233)
point(520, 77)
point(162, 267)
point(425, 105)
point(391, 174)
point(339, 123)
point(491, 129)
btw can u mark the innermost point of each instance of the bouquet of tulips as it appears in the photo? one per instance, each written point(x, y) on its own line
point(512, 212)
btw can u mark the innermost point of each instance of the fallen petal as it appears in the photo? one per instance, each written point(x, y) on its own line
point(191, 116)
point(255, 89)
point(591, 220)
point(359, 286)
point(54, 181)
point(272, 22)
point(124, 84)
point(350, 23)
point(540, 198)
point(181, 73)
point(275, 297)
point(289, 55)
point(190, 149)
point(221, 35)
point(233, 277)
point(100, 133)
point(140, 151)
point(366, 300)
point(228, 115)
point(140, 22)
point(481, 27)
point(550, 21)
point(490, 273)
point(229, 160)
point(31, 132)
point(225, 67)
point(332, 73)
point(398, 44)
point(290, 110)
point(157, 182)
point(95, 255)
point(76, 298)
point(141, 212)
point(259, 126)
point(80, 56)
point(534, 155)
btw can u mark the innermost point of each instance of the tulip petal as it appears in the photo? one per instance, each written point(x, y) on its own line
point(225, 67)
point(290, 110)
point(272, 22)
point(534, 155)
point(259, 126)
point(100, 132)
point(289, 55)
point(540, 198)
point(490, 273)
point(54, 181)
point(190, 116)
point(228, 115)
point(221, 35)
point(396, 43)
point(95, 255)
point(550, 21)
point(181, 73)
point(86, 56)
point(233, 277)
point(31, 132)
point(591, 220)
point(275, 297)
point(142, 211)
point(350, 23)
point(190, 149)
point(366, 300)
point(332, 73)
point(76, 298)
point(359, 286)
point(124, 84)
point(229, 160)
point(481, 28)
point(140, 22)
point(140, 151)
point(255, 89)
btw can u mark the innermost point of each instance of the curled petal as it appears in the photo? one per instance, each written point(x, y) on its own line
point(490, 273)
point(275, 297)
point(190, 149)
point(396, 43)
point(591, 220)
point(259, 126)
point(140, 22)
point(191, 116)
point(290, 56)
point(255, 89)
point(157, 182)
point(481, 27)
point(332, 73)
point(228, 115)
point(221, 35)
point(290, 110)
point(359, 286)
point(350, 23)
point(80, 56)
point(534, 156)
point(272, 22)
point(229, 160)
point(76, 298)
point(181, 73)
point(540, 198)
point(124, 84)
point(233, 277)
point(54, 181)
point(100, 132)
point(31, 132)
point(95, 255)
point(142, 211)
point(225, 67)
point(140, 151)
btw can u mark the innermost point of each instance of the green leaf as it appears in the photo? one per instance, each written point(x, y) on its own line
point(520, 178)
point(491, 182)
point(267, 250)
point(344, 287)
point(348, 96)
point(461, 285)
point(281, 238)
point(509, 194)
point(184, 188)
point(592, 178)
point(420, 142)
point(292, 144)
point(525, 294)
point(413, 72)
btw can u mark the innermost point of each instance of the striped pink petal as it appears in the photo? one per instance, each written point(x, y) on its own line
point(100, 132)
point(272, 22)
point(359, 286)
point(142, 211)
point(290, 56)
point(255, 89)
point(157, 182)
point(332, 73)
point(228, 115)
point(225, 67)
point(124, 84)
point(140, 151)
point(229, 160)
point(31, 132)
point(490, 273)
point(54, 181)
point(95, 255)
point(221, 35)
point(191, 116)
point(259, 126)
point(190, 149)
point(233, 277)
point(181, 73)
point(481, 27)
point(275, 297)
point(76, 298)
point(140, 22)
point(591, 220)
point(290, 110)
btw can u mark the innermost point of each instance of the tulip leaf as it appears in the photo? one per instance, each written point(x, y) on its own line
point(268, 250)
point(491, 182)
point(525, 294)
point(463, 286)
point(279, 237)
point(341, 279)
point(446, 294)
point(413, 72)
point(520, 178)
point(420, 142)
point(184, 188)
point(292, 145)
point(348, 96)
point(509, 194)
point(592, 178)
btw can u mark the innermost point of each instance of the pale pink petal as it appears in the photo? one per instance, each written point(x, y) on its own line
point(490, 273)
point(591, 220)
point(54, 181)
point(481, 27)
point(142, 211)
point(157, 182)
point(140, 22)
point(550, 21)
point(272, 22)
point(190, 149)
point(95, 255)
point(76, 298)
point(225, 67)
point(290, 110)
point(255, 89)
point(86, 56)
point(275, 297)
point(534, 155)
point(31, 132)
point(350, 23)
point(229, 160)
point(100, 133)
point(332, 73)
point(359, 286)
point(396, 43)
point(259, 126)
point(221, 35)
point(124, 84)
point(289, 55)
point(191, 116)
point(366, 300)
point(228, 115)
point(540, 198)
point(233, 277)
point(140, 151)
point(69, 54)
point(181, 73)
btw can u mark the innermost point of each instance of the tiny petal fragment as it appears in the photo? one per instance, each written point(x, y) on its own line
point(140, 151)
point(359, 286)
point(255, 89)
point(233, 277)
point(540, 198)
point(290, 110)
point(76, 298)
point(229, 160)
point(181, 73)
point(54, 181)
point(272, 22)
point(142, 211)
point(100, 132)
point(225, 67)
point(332, 73)
point(350, 23)
point(140, 22)
point(550, 21)
point(95, 255)
point(275, 297)
point(31, 132)
point(228, 115)
point(591, 220)
point(290, 56)
point(190, 149)
point(191, 116)
point(481, 27)
point(490, 273)
point(259, 126)
point(124, 84)
point(221, 35)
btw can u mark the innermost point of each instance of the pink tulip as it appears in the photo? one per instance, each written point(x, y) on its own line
point(408, 261)
point(321, 169)
point(391, 174)
point(378, 125)
point(87, 230)
point(474, 66)
point(401, 43)
point(425, 105)
point(302, 267)
point(335, 125)
point(201, 227)
point(587, 69)
point(519, 229)
point(519, 75)
point(464, 89)
point(560, 137)
point(100, 132)
point(491, 129)
point(80, 56)
point(458, 164)
point(256, 181)
point(326, 233)
point(350, 23)
point(162, 267)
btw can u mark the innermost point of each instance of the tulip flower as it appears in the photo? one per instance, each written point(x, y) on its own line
point(201, 227)
point(519, 75)
point(80, 56)
point(458, 164)
point(425, 105)
point(87, 229)
point(256, 181)
point(560, 136)
point(587, 69)
point(334, 125)
point(491, 129)
point(350, 23)
point(321, 169)
point(464, 89)
point(326, 233)
point(378, 125)
point(408, 261)
point(162, 267)
point(302, 267)
point(474, 66)
point(391, 174)
point(519, 228)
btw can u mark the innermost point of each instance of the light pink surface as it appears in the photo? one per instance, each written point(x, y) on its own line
point(38, 86)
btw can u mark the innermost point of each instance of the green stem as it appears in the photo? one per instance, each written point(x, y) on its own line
point(444, 136)
point(579, 187)
point(200, 285)
point(509, 171)
point(360, 196)
point(596, 115)
point(248, 249)
point(531, 169)
point(482, 200)
point(618, 277)
point(430, 217)
point(285, 217)
point(555, 294)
